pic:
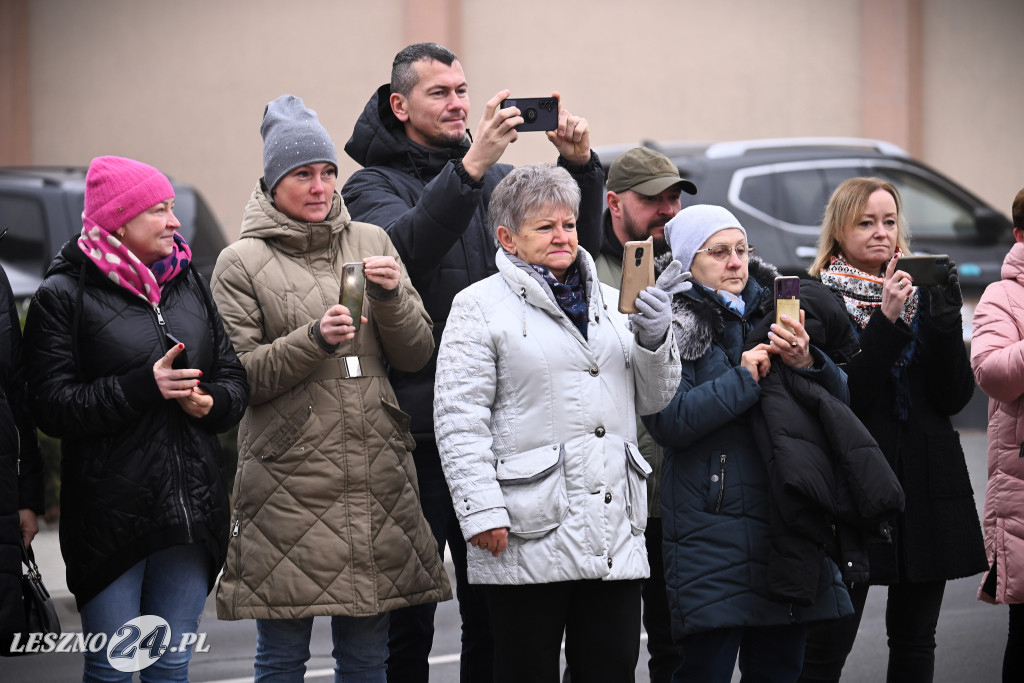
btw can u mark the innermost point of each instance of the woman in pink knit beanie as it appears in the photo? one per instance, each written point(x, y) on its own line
point(129, 365)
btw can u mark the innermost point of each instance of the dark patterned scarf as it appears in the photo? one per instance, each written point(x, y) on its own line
point(862, 292)
point(570, 296)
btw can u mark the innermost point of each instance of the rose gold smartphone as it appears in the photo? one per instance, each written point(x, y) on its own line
point(637, 272)
point(787, 299)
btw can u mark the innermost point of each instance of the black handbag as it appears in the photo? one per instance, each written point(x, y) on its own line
point(40, 615)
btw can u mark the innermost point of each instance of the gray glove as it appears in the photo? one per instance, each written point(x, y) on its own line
point(654, 306)
point(673, 280)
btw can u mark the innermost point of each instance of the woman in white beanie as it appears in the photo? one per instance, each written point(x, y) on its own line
point(327, 518)
point(716, 498)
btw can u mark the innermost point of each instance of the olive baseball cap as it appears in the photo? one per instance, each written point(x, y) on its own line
point(645, 171)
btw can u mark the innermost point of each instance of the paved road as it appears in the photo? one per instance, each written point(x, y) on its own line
point(970, 638)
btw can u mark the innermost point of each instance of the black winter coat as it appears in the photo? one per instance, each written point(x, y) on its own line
point(939, 535)
point(137, 474)
point(21, 464)
point(438, 223)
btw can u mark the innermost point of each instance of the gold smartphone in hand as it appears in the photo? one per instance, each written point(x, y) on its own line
point(637, 272)
point(787, 300)
point(353, 284)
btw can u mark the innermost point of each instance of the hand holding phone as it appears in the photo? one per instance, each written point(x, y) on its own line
point(181, 361)
point(787, 300)
point(637, 272)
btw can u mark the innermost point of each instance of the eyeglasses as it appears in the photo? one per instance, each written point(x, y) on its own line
point(722, 252)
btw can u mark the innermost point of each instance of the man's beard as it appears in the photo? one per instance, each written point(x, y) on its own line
point(450, 140)
point(638, 233)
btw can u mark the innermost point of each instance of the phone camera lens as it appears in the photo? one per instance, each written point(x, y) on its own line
point(530, 115)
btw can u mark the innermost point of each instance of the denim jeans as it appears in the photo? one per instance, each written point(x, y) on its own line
point(170, 584)
point(767, 654)
point(360, 649)
point(412, 628)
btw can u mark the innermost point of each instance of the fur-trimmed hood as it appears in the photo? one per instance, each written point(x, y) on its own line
point(697, 318)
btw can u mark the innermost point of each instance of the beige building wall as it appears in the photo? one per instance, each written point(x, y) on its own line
point(183, 85)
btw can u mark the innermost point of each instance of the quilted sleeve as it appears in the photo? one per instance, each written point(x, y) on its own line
point(465, 387)
point(997, 347)
point(698, 409)
point(62, 404)
point(403, 325)
point(274, 367)
point(656, 374)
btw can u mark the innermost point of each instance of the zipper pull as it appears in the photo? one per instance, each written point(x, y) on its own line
point(159, 316)
point(234, 532)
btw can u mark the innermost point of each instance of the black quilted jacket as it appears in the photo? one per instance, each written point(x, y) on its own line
point(138, 475)
point(21, 471)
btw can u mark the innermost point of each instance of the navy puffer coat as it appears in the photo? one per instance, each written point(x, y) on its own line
point(137, 474)
point(715, 493)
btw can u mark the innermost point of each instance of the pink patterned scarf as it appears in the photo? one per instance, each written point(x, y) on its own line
point(125, 269)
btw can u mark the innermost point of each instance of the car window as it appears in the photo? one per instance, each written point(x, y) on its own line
point(25, 223)
point(929, 212)
point(792, 194)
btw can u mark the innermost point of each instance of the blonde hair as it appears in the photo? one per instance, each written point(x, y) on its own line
point(845, 207)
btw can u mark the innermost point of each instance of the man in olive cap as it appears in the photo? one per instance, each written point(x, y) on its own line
point(644, 190)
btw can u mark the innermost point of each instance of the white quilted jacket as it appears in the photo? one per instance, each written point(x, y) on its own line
point(537, 428)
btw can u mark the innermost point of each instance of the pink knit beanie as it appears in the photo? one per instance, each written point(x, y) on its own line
point(118, 189)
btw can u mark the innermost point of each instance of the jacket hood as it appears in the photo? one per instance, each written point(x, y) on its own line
point(262, 220)
point(378, 139)
point(1013, 264)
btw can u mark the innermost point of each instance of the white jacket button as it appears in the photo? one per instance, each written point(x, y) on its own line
point(608, 497)
point(594, 371)
point(599, 432)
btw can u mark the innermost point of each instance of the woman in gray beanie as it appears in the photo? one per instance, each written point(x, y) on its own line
point(716, 492)
point(326, 520)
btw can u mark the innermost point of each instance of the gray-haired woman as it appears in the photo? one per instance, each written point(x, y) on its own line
point(537, 378)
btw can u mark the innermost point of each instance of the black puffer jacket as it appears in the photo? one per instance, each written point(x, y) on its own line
point(138, 475)
point(21, 472)
point(438, 224)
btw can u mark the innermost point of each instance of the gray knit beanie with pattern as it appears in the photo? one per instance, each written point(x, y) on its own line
point(292, 137)
point(691, 227)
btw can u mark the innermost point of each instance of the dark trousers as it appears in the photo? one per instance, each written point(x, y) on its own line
point(1013, 658)
point(767, 654)
point(911, 615)
point(411, 634)
point(600, 620)
point(657, 622)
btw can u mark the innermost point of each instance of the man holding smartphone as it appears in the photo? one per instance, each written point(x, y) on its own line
point(428, 182)
point(644, 190)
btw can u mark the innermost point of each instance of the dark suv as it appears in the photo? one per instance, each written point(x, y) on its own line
point(41, 208)
point(778, 189)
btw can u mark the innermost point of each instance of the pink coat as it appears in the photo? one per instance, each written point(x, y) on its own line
point(997, 357)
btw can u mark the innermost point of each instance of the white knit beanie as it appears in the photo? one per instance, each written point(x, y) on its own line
point(691, 227)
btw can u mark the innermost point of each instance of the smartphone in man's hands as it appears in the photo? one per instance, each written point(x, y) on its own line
point(539, 113)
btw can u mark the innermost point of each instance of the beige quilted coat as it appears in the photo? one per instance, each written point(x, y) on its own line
point(327, 517)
